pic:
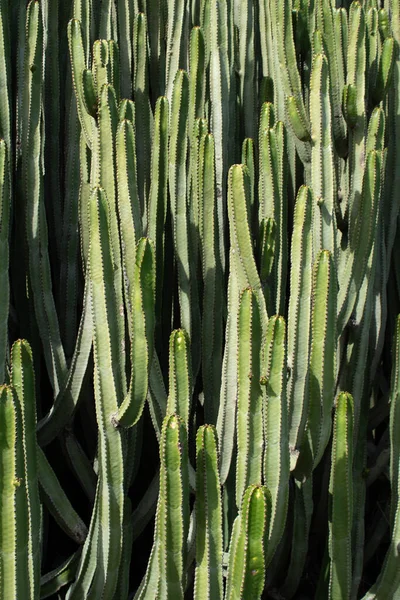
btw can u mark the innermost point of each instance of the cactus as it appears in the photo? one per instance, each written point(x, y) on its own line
point(208, 577)
point(200, 341)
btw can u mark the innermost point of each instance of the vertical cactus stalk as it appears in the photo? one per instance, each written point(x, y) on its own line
point(23, 381)
point(175, 34)
point(388, 581)
point(299, 319)
point(212, 320)
point(15, 570)
point(5, 207)
point(268, 235)
point(130, 217)
point(104, 153)
point(125, 24)
point(5, 178)
point(36, 226)
point(165, 576)
point(227, 402)
point(246, 56)
point(322, 370)
point(323, 180)
point(272, 197)
point(158, 195)
point(356, 63)
point(69, 235)
point(276, 453)
point(78, 65)
point(142, 337)
point(243, 273)
point(105, 536)
point(208, 575)
point(180, 376)
point(303, 510)
point(247, 551)
point(240, 233)
point(249, 404)
point(144, 116)
point(361, 240)
point(220, 98)
point(325, 23)
point(340, 490)
point(196, 78)
point(188, 298)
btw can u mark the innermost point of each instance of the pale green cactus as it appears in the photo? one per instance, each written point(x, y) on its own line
point(276, 455)
point(165, 577)
point(142, 337)
point(246, 570)
point(180, 376)
point(209, 549)
point(128, 228)
point(20, 413)
point(341, 498)
point(249, 426)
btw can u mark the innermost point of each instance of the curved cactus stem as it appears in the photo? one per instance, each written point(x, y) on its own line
point(209, 549)
point(35, 216)
point(105, 537)
point(52, 582)
point(67, 398)
point(146, 508)
point(341, 493)
point(303, 510)
point(57, 501)
point(142, 339)
point(81, 465)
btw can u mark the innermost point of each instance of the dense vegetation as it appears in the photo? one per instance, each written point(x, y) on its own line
point(199, 299)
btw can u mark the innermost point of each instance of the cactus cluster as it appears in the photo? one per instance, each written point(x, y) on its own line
point(199, 299)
